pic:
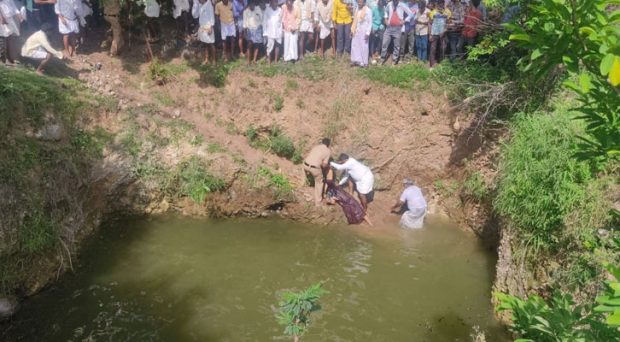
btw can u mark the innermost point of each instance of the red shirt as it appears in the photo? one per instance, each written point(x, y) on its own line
point(473, 18)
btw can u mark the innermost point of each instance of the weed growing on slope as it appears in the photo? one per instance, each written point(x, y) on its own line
point(281, 187)
point(278, 102)
point(195, 181)
point(275, 141)
point(475, 186)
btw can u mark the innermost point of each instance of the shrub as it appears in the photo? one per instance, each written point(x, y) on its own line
point(214, 75)
point(281, 144)
point(278, 102)
point(282, 188)
point(296, 308)
point(160, 72)
point(561, 319)
point(540, 182)
point(195, 181)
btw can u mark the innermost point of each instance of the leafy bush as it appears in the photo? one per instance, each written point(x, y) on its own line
point(281, 187)
point(582, 36)
point(561, 319)
point(297, 307)
point(540, 183)
point(275, 140)
point(195, 181)
point(214, 75)
point(159, 72)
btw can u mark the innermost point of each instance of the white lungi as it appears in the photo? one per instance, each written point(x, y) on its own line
point(290, 46)
point(306, 26)
point(325, 29)
point(413, 219)
point(73, 26)
point(205, 36)
point(228, 30)
point(38, 53)
point(364, 185)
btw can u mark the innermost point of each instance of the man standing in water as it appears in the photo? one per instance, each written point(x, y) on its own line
point(315, 162)
point(414, 204)
point(361, 176)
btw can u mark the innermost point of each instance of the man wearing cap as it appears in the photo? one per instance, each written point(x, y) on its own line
point(360, 174)
point(414, 204)
point(314, 164)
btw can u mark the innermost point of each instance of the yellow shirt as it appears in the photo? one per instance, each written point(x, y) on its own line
point(341, 14)
point(224, 12)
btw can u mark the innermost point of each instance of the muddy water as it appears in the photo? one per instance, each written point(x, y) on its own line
point(177, 279)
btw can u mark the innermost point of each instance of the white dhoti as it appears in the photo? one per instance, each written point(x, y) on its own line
point(228, 30)
point(290, 46)
point(325, 29)
point(38, 53)
point(206, 35)
point(271, 43)
point(72, 26)
point(364, 186)
point(413, 218)
point(10, 27)
point(306, 26)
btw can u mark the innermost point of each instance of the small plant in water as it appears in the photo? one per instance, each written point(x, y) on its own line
point(296, 308)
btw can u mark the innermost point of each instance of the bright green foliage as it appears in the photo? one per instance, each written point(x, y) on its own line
point(540, 182)
point(196, 182)
point(281, 144)
point(557, 320)
point(296, 309)
point(38, 232)
point(584, 37)
point(610, 301)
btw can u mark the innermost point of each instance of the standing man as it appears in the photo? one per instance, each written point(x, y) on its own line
point(396, 14)
point(68, 24)
point(361, 176)
point(455, 27)
point(314, 164)
point(272, 29)
point(414, 204)
point(239, 7)
point(307, 10)
point(342, 17)
point(224, 13)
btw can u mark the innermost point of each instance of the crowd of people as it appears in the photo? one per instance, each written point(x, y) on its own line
point(363, 30)
point(357, 178)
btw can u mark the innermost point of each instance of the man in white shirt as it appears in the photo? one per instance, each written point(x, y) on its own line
point(412, 201)
point(37, 46)
point(360, 174)
point(272, 29)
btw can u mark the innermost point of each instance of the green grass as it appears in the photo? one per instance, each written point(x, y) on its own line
point(312, 68)
point(215, 148)
point(475, 186)
point(540, 181)
point(38, 232)
point(214, 75)
point(406, 76)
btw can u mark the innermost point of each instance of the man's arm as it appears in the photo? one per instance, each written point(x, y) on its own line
point(407, 11)
point(396, 207)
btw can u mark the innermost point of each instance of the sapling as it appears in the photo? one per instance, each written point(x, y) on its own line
point(296, 308)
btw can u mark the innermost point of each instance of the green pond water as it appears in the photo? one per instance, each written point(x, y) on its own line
point(179, 279)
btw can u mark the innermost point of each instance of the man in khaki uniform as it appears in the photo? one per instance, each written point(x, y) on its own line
point(315, 162)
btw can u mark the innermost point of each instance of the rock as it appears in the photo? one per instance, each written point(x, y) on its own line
point(176, 113)
point(8, 307)
point(50, 132)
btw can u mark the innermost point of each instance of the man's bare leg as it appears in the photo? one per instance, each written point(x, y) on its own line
point(363, 201)
point(43, 63)
point(249, 53)
point(65, 43)
point(277, 53)
point(333, 34)
point(367, 220)
point(255, 55)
